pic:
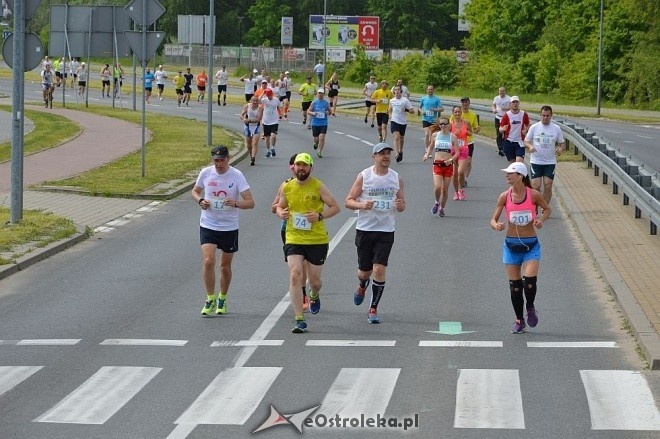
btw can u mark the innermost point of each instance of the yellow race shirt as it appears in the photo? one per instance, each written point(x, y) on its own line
point(301, 200)
point(382, 98)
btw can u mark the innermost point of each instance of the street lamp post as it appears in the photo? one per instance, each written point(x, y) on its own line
point(240, 38)
point(432, 24)
point(325, 40)
point(600, 59)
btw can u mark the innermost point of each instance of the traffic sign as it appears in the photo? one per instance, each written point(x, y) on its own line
point(29, 8)
point(34, 51)
point(135, 10)
point(134, 39)
point(5, 34)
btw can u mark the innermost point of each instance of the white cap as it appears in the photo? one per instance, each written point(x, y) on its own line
point(515, 98)
point(263, 81)
point(255, 71)
point(83, 63)
point(160, 66)
point(380, 147)
point(320, 90)
point(518, 167)
point(286, 73)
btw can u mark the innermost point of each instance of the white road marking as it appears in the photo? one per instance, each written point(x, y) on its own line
point(644, 137)
point(359, 391)
point(572, 344)
point(49, 342)
point(620, 400)
point(232, 396)
point(488, 398)
point(141, 342)
point(247, 343)
point(182, 430)
point(101, 396)
point(461, 344)
point(339, 132)
point(352, 137)
point(11, 376)
point(343, 343)
point(367, 142)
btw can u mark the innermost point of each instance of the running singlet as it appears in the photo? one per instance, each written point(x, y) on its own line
point(520, 214)
point(443, 143)
point(46, 77)
point(461, 134)
point(382, 189)
point(301, 200)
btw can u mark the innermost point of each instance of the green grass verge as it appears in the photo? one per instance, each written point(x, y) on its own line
point(177, 147)
point(49, 131)
point(36, 229)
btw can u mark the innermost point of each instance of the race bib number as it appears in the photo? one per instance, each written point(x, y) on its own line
point(429, 113)
point(545, 141)
point(301, 222)
point(520, 217)
point(320, 114)
point(384, 101)
point(461, 143)
point(218, 204)
point(383, 203)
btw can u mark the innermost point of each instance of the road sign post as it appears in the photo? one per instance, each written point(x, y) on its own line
point(144, 13)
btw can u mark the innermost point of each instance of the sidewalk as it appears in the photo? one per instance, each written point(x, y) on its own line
point(626, 254)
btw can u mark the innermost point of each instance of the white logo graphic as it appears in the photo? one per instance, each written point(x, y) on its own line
point(295, 419)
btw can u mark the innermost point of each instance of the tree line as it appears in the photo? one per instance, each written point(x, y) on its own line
point(532, 46)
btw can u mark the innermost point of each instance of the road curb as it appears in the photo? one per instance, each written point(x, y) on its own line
point(646, 336)
point(41, 253)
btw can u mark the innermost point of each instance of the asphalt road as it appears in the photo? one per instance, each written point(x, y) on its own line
point(105, 340)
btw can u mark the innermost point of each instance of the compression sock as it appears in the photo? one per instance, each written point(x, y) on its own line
point(516, 287)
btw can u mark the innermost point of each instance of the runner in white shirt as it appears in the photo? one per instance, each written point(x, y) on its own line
point(545, 142)
point(369, 89)
point(281, 88)
point(250, 82)
point(270, 120)
point(160, 75)
point(223, 77)
point(398, 107)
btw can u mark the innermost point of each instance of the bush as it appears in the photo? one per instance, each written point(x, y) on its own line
point(486, 72)
point(441, 70)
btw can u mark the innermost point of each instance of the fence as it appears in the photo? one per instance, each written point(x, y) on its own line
point(270, 58)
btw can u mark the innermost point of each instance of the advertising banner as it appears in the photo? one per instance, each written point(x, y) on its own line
point(343, 32)
point(286, 38)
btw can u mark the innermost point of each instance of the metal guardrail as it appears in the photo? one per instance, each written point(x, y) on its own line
point(639, 183)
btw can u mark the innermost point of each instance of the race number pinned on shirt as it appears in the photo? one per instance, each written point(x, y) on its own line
point(320, 114)
point(520, 217)
point(218, 204)
point(429, 113)
point(301, 222)
point(383, 203)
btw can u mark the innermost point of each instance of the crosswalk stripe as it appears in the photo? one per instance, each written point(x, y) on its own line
point(358, 391)
point(101, 396)
point(488, 398)
point(11, 376)
point(461, 344)
point(232, 396)
point(141, 342)
point(572, 344)
point(344, 343)
point(620, 400)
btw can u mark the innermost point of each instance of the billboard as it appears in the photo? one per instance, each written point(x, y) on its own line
point(343, 32)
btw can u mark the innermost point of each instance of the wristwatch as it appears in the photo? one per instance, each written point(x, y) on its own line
point(200, 201)
point(320, 216)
